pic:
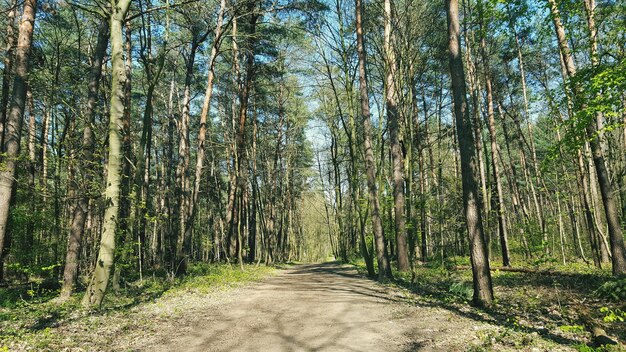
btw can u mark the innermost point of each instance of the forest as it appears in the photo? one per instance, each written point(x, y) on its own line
point(468, 154)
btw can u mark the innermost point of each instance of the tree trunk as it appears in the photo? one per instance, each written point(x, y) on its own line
point(396, 148)
point(100, 279)
point(203, 124)
point(15, 116)
point(483, 291)
point(499, 201)
point(370, 167)
point(79, 216)
point(252, 223)
point(244, 96)
point(7, 71)
point(183, 248)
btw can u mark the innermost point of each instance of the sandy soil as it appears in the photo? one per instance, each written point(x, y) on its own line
point(322, 307)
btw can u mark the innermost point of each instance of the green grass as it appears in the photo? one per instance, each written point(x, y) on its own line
point(29, 316)
point(207, 278)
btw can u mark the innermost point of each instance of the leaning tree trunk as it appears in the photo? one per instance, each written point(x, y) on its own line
point(483, 290)
point(100, 279)
point(13, 123)
point(606, 189)
point(79, 216)
point(370, 167)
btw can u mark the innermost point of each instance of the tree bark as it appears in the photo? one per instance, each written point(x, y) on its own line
point(15, 116)
point(203, 124)
point(384, 270)
point(7, 71)
point(483, 290)
point(100, 279)
point(396, 147)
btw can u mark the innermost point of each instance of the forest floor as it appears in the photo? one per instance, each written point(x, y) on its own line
point(316, 307)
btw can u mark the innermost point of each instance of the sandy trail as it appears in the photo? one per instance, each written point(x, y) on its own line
point(321, 307)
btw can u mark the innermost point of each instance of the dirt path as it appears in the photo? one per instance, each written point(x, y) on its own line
point(322, 307)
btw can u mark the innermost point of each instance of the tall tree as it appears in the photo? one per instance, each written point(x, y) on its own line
point(396, 147)
point(483, 290)
point(495, 157)
point(100, 279)
point(217, 40)
point(370, 167)
point(15, 116)
point(87, 163)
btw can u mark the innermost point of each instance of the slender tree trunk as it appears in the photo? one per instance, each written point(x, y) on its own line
point(396, 148)
point(230, 218)
point(370, 166)
point(143, 201)
point(203, 125)
point(14, 118)
point(87, 162)
point(537, 200)
point(100, 279)
point(183, 248)
point(501, 211)
point(32, 136)
point(483, 291)
point(124, 230)
point(252, 222)
point(244, 96)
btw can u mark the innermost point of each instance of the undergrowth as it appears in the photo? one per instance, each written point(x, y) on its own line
point(29, 314)
point(549, 302)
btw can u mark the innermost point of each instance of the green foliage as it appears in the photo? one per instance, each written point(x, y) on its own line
point(34, 292)
point(597, 90)
point(605, 348)
point(544, 258)
point(572, 328)
point(462, 290)
point(206, 278)
point(613, 315)
point(614, 290)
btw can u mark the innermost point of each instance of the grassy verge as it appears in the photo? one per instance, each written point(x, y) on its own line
point(30, 319)
point(547, 309)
